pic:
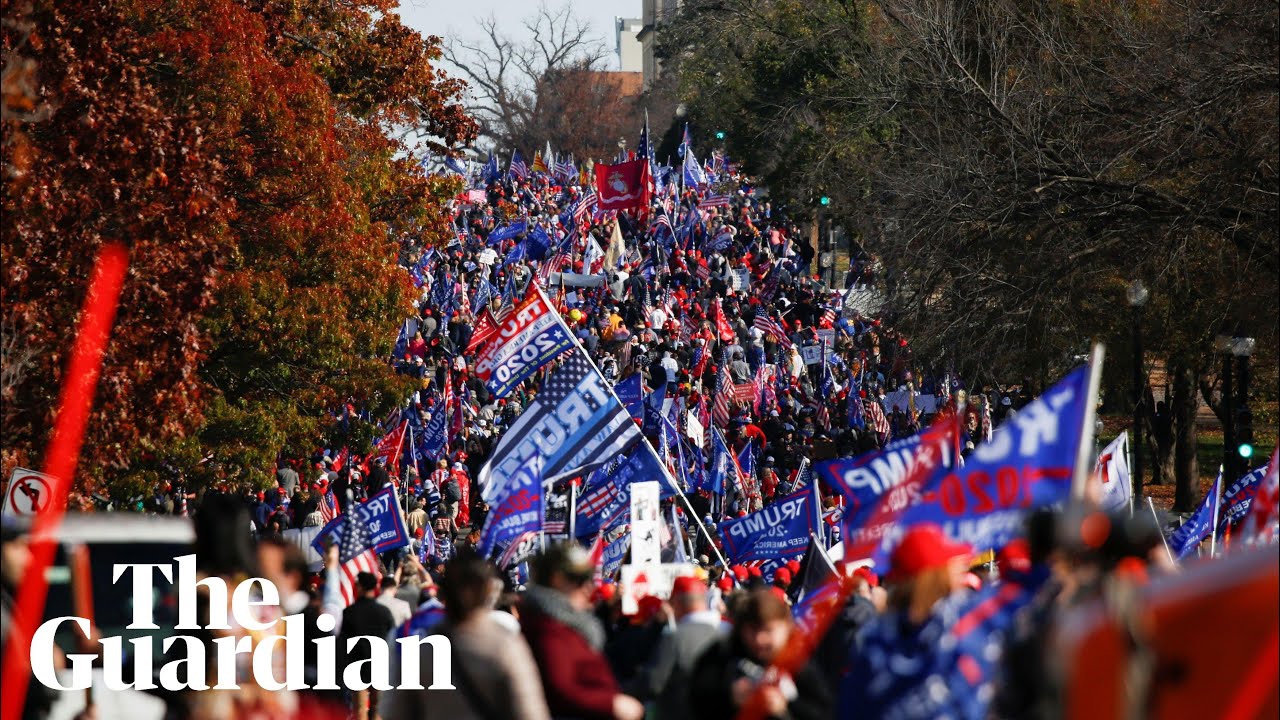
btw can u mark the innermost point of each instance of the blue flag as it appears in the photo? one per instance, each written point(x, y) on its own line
point(606, 494)
point(1186, 539)
point(722, 469)
point(517, 509)
point(777, 533)
point(1238, 498)
point(380, 515)
point(614, 553)
point(1027, 464)
point(631, 392)
point(435, 436)
point(537, 244)
point(575, 424)
point(693, 172)
point(516, 255)
point(507, 231)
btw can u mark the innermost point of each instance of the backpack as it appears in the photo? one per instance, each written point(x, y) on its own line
point(452, 493)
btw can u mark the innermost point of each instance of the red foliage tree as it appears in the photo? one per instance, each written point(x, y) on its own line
point(242, 150)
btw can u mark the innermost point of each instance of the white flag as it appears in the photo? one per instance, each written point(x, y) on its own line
point(1112, 472)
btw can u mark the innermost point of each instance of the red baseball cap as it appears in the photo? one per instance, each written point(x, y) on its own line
point(782, 577)
point(686, 585)
point(924, 547)
point(1015, 556)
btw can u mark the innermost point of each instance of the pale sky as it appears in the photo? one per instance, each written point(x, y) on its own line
point(457, 17)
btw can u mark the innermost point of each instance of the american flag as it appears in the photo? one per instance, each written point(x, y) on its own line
point(770, 327)
point(565, 170)
point(327, 507)
point(724, 390)
point(875, 416)
point(355, 552)
point(518, 166)
point(582, 207)
point(714, 201)
point(828, 316)
point(553, 265)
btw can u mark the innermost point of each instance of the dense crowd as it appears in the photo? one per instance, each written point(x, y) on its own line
point(708, 296)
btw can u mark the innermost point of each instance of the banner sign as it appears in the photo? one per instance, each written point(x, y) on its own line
point(646, 546)
point(529, 337)
point(779, 531)
point(812, 354)
point(740, 280)
point(381, 514)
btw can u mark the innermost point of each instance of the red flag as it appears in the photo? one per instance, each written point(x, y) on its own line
point(486, 327)
point(389, 447)
point(622, 186)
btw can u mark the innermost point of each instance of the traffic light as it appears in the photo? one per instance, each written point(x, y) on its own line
point(1244, 433)
point(825, 200)
point(719, 134)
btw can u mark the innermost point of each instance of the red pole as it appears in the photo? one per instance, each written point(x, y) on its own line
point(97, 315)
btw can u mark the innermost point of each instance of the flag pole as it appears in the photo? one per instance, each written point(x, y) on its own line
point(1080, 475)
point(573, 507)
point(817, 503)
point(666, 473)
point(1213, 528)
point(1151, 504)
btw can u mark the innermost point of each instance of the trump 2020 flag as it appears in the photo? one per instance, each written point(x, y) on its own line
point(779, 532)
point(380, 516)
point(529, 336)
point(517, 510)
point(1027, 464)
point(1112, 473)
point(575, 425)
point(877, 487)
point(1187, 538)
point(1238, 497)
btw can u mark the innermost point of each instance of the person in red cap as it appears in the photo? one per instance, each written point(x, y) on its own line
point(727, 673)
point(663, 679)
point(926, 569)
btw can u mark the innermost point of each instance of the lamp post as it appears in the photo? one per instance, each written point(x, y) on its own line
point(1137, 296)
point(1241, 349)
point(1224, 343)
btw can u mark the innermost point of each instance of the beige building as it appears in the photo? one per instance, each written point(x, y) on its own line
point(653, 16)
point(630, 52)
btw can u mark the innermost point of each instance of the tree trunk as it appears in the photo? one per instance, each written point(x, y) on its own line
point(1186, 470)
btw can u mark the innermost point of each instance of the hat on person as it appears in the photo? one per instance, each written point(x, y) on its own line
point(782, 577)
point(924, 547)
point(687, 585)
point(1015, 556)
point(725, 583)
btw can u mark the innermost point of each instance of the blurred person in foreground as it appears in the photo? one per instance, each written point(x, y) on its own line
point(365, 616)
point(664, 679)
point(900, 667)
point(567, 639)
point(492, 669)
point(729, 672)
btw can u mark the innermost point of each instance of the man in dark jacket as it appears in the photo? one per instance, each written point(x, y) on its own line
point(567, 639)
point(365, 616)
point(731, 670)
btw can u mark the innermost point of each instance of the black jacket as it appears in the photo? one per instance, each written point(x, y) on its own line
point(711, 685)
point(365, 616)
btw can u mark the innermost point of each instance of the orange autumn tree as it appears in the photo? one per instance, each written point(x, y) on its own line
point(248, 153)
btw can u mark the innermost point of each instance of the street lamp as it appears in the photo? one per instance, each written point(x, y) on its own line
point(1137, 295)
point(1242, 348)
point(1223, 344)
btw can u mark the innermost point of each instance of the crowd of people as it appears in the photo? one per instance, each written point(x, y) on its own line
point(709, 296)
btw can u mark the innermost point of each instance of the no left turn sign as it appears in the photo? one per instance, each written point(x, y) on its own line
point(29, 492)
